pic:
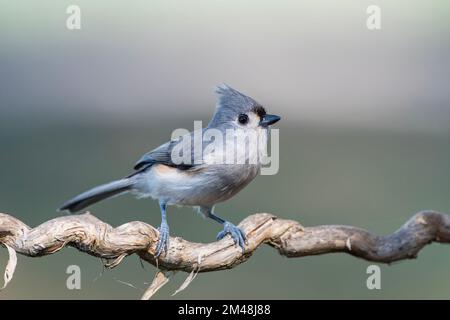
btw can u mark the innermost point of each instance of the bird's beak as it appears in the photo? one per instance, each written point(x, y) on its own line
point(268, 119)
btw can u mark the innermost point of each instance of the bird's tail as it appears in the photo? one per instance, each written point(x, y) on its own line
point(97, 194)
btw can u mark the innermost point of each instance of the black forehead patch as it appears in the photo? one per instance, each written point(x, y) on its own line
point(259, 110)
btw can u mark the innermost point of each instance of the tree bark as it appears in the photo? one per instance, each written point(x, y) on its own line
point(97, 238)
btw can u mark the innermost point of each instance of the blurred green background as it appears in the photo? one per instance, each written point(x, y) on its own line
point(365, 135)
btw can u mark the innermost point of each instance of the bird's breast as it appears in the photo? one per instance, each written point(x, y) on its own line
point(203, 185)
point(238, 147)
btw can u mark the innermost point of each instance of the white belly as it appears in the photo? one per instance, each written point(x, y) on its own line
point(199, 187)
point(207, 184)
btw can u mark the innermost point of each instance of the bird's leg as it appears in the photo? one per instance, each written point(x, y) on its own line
point(163, 242)
point(228, 228)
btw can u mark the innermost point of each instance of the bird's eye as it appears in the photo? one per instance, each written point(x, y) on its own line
point(243, 118)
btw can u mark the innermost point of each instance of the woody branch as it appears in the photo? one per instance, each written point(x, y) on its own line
point(97, 238)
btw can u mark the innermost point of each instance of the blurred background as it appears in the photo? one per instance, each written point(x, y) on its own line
point(365, 130)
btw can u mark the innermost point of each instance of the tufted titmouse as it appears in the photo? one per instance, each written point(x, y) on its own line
point(203, 179)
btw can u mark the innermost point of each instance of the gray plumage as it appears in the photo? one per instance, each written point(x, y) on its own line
point(97, 194)
point(202, 182)
point(230, 103)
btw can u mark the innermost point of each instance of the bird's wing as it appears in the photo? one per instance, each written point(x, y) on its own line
point(163, 155)
point(158, 155)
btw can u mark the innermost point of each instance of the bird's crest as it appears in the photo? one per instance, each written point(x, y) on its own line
point(231, 103)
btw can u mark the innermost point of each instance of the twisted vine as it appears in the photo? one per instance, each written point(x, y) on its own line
point(97, 238)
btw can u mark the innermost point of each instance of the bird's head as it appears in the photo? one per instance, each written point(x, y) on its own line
point(237, 110)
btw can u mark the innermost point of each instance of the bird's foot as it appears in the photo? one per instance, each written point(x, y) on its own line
point(237, 234)
point(163, 242)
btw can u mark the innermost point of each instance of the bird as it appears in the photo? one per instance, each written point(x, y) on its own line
point(205, 180)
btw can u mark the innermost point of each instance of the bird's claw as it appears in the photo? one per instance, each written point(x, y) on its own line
point(163, 242)
point(236, 233)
